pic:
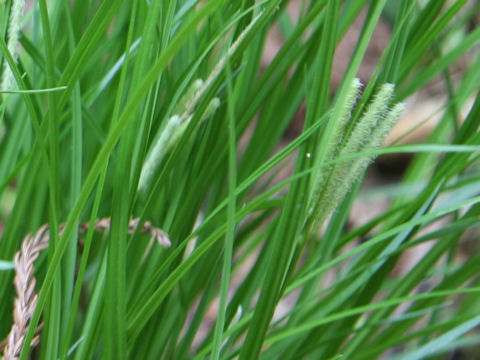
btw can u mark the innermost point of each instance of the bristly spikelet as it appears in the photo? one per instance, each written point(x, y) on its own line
point(366, 125)
point(381, 132)
point(184, 111)
point(364, 130)
point(212, 107)
point(189, 94)
point(169, 136)
point(358, 166)
point(335, 143)
point(369, 133)
point(346, 112)
point(14, 27)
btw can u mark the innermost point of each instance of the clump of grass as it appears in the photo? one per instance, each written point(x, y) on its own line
point(165, 110)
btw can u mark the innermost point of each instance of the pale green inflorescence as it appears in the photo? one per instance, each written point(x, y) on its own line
point(373, 117)
point(191, 93)
point(183, 113)
point(335, 142)
point(172, 131)
point(381, 132)
point(368, 134)
point(14, 27)
point(170, 135)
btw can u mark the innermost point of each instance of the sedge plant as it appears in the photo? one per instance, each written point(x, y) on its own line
point(127, 121)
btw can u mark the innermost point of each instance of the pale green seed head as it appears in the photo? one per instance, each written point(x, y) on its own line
point(186, 99)
point(168, 137)
point(363, 130)
point(14, 27)
point(369, 133)
point(212, 107)
point(335, 143)
point(345, 114)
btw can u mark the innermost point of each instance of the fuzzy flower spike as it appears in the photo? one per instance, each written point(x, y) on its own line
point(14, 27)
point(368, 134)
point(168, 138)
point(335, 143)
point(176, 125)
